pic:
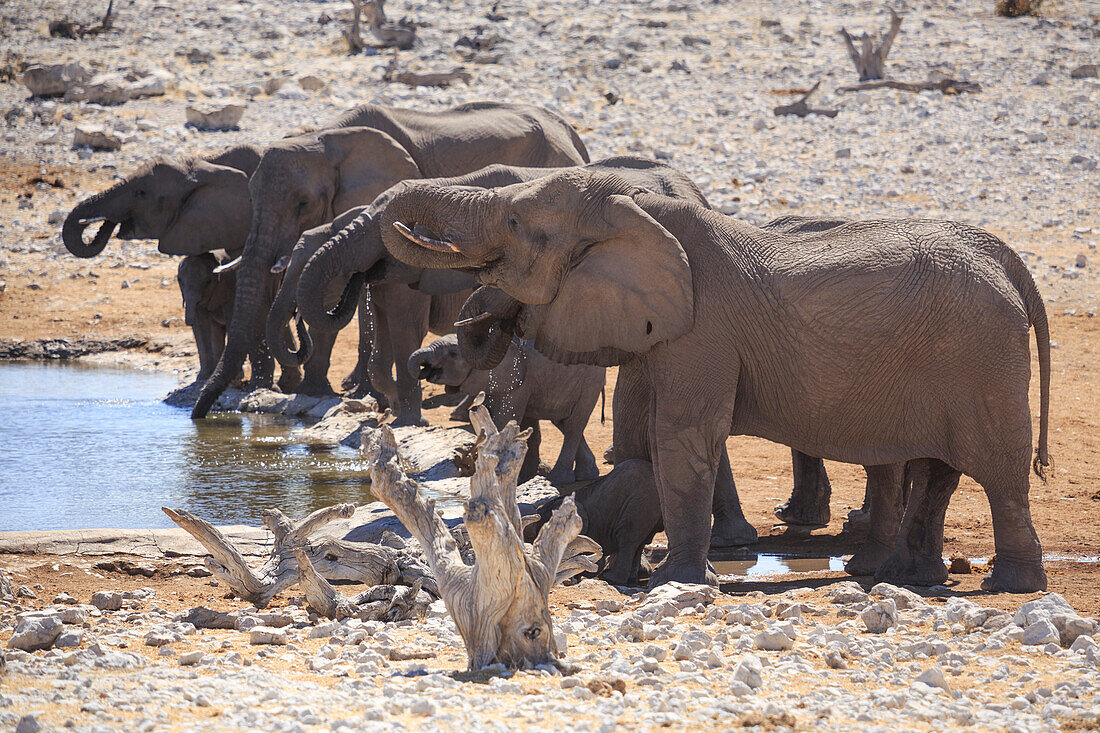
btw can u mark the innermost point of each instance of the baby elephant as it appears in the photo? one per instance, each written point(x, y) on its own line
point(525, 387)
point(208, 304)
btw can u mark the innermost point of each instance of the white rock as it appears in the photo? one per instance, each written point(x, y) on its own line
point(749, 672)
point(933, 677)
point(69, 637)
point(28, 724)
point(266, 635)
point(120, 660)
point(36, 631)
point(226, 116)
point(671, 598)
point(1040, 632)
point(775, 638)
point(107, 600)
point(847, 592)
point(880, 616)
point(96, 138)
point(903, 598)
point(54, 79)
point(1083, 643)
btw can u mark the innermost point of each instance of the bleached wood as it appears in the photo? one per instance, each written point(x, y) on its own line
point(7, 592)
point(332, 558)
point(870, 62)
point(500, 603)
point(380, 603)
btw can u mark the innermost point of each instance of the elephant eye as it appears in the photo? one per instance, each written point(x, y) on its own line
point(513, 223)
point(140, 193)
point(533, 633)
point(302, 204)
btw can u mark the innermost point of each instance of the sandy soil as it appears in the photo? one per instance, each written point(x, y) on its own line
point(108, 298)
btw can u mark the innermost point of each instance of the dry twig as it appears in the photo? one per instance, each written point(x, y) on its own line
point(802, 109)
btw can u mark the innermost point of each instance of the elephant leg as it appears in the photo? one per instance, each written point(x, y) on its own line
point(917, 557)
point(585, 467)
point(201, 332)
point(381, 360)
point(573, 434)
point(290, 378)
point(407, 334)
point(687, 449)
point(885, 504)
point(730, 529)
point(1018, 567)
point(808, 504)
point(530, 467)
point(316, 369)
point(630, 412)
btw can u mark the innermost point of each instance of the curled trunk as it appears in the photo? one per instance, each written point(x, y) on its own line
point(344, 259)
point(486, 325)
point(80, 218)
point(280, 315)
point(435, 214)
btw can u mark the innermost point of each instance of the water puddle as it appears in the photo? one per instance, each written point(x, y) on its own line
point(88, 447)
point(767, 565)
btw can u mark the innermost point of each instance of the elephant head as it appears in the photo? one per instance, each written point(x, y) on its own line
point(192, 206)
point(300, 183)
point(441, 362)
point(573, 262)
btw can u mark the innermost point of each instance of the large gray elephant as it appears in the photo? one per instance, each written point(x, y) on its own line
point(306, 181)
point(876, 342)
point(356, 255)
point(526, 387)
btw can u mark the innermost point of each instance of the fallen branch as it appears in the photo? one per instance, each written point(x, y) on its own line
point(7, 592)
point(67, 29)
point(331, 558)
point(870, 61)
point(802, 109)
point(500, 603)
point(432, 79)
point(380, 603)
point(947, 86)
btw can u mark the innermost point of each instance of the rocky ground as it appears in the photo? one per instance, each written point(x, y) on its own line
point(690, 82)
point(681, 657)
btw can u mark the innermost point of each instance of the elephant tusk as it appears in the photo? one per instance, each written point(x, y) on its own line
point(233, 264)
point(438, 245)
point(474, 319)
point(92, 220)
point(281, 264)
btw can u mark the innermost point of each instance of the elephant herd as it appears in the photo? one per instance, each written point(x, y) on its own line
point(901, 345)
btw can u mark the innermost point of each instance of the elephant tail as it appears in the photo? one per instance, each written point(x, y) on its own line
point(1043, 465)
point(603, 403)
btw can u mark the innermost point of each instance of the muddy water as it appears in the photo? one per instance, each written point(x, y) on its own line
point(88, 447)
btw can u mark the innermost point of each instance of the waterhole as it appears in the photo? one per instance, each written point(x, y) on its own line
point(85, 447)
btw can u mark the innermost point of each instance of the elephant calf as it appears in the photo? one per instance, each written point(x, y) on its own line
point(525, 387)
point(207, 306)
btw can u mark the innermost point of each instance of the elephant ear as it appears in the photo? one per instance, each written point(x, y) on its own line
point(630, 291)
point(216, 214)
point(368, 161)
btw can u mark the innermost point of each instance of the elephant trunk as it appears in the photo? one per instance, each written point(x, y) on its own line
point(439, 227)
point(421, 360)
point(281, 313)
point(250, 302)
point(345, 258)
point(486, 325)
point(81, 217)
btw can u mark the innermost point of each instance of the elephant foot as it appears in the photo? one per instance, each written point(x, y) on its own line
point(735, 532)
point(898, 569)
point(867, 559)
point(562, 477)
point(1015, 576)
point(609, 455)
point(694, 573)
point(407, 420)
point(803, 514)
point(316, 388)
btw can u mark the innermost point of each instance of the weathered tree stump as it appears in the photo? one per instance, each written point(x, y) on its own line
point(871, 61)
point(390, 34)
point(802, 108)
point(331, 558)
point(500, 603)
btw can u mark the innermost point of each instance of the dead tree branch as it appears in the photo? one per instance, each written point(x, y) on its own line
point(441, 79)
point(500, 603)
point(67, 29)
point(870, 61)
point(331, 558)
point(380, 603)
point(802, 108)
point(947, 86)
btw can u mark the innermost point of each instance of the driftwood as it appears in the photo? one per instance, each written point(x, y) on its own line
point(500, 603)
point(7, 592)
point(870, 61)
point(331, 558)
point(380, 603)
point(390, 34)
point(802, 109)
point(431, 79)
point(947, 86)
point(65, 28)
